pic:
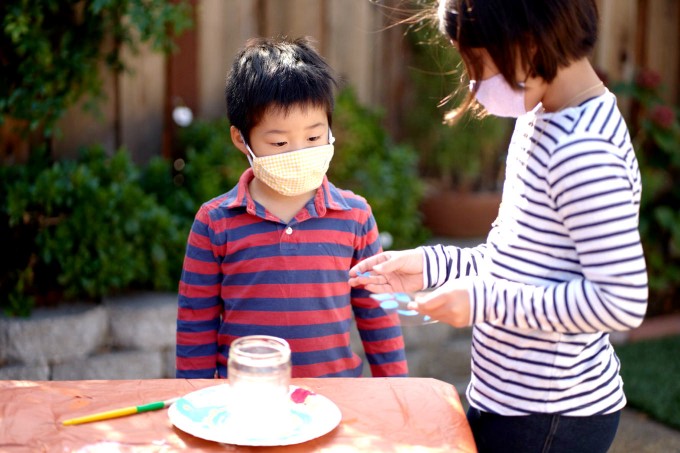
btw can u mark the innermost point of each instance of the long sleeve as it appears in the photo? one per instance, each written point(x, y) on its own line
point(199, 304)
point(442, 263)
point(380, 334)
point(593, 191)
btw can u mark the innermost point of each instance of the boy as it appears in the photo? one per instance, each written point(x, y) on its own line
point(272, 256)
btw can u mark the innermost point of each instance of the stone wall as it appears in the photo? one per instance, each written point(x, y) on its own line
point(130, 338)
point(134, 338)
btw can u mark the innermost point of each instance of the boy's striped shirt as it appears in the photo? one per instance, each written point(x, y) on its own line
point(265, 277)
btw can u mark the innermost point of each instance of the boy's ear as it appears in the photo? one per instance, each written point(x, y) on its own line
point(237, 140)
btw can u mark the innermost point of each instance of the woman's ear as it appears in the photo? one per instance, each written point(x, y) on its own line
point(237, 140)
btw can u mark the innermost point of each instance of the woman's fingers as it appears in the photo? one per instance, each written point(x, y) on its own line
point(368, 280)
point(366, 266)
point(393, 271)
point(370, 272)
point(429, 302)
point(449, 303)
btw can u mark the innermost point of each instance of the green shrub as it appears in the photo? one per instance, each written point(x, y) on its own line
point(369, 163)
point(17, 243)
point(651, 376)
point(87, 230)
point(212, 166)
point(656, 138)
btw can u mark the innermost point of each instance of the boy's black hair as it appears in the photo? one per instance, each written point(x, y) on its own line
point(277, 73)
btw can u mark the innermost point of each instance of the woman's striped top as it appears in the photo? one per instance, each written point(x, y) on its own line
point(561, 268)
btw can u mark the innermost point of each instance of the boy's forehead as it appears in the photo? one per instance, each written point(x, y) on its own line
point(299, 115)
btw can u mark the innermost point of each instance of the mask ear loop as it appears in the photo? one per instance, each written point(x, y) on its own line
point(331, 139)
point(523, 84)
point(250, 159)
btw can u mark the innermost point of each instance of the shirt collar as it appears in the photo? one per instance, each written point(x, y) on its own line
point(327, 197)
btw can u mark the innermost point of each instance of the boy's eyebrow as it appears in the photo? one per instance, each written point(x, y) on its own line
point(280, 131)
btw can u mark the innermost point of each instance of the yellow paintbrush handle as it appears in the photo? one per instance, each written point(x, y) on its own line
point(102, 416)
point(120, 412)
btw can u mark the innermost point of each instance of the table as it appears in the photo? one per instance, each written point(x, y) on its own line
point(378, 415)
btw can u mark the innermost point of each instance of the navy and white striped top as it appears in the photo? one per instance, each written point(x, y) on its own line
point(562, 267)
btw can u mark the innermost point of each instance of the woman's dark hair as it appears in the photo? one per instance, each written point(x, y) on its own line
point(542, 35)
point(277, 73)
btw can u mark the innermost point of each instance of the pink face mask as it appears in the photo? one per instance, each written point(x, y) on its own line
point(499, 98)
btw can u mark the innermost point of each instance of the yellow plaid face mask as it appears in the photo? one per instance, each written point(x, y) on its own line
point(294, 172)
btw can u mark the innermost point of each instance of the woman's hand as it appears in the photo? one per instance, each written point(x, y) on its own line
point(390, 272)
point(450, 303)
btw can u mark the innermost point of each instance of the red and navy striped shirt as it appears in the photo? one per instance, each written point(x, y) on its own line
point(246, 272)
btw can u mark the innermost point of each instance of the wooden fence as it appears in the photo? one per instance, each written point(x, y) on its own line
point(641, 34)
point(355, 38)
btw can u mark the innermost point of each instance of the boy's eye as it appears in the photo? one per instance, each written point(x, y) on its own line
point(313, 139)
point(280, 144)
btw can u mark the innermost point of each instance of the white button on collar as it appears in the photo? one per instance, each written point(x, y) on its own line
point(289, 230)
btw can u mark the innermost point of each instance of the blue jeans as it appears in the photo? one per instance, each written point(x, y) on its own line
point(542, 433)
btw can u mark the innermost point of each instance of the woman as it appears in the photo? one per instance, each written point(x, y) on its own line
point(563, 265)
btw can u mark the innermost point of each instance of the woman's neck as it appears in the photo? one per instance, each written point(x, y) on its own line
point(572, 85)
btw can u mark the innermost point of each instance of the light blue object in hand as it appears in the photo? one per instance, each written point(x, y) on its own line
point(398, 303)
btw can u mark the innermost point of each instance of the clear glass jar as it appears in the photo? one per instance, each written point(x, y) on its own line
point(259, 370)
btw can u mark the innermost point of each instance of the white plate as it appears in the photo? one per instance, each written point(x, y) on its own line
point(205, 414)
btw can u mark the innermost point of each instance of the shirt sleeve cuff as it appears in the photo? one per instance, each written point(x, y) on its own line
point(434, 267)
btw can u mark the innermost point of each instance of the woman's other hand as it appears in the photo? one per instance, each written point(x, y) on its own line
point(390, 272)
point(450, 303)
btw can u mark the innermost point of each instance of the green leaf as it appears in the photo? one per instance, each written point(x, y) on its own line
point(52, 50)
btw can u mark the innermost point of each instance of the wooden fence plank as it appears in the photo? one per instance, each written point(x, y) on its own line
point(142, 101)
point(352, 36)
point(663, 40)
point(615, 51)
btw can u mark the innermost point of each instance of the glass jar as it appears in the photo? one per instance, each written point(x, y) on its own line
point(259, 370)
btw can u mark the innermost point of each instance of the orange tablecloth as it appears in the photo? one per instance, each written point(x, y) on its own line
point(378, 415)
